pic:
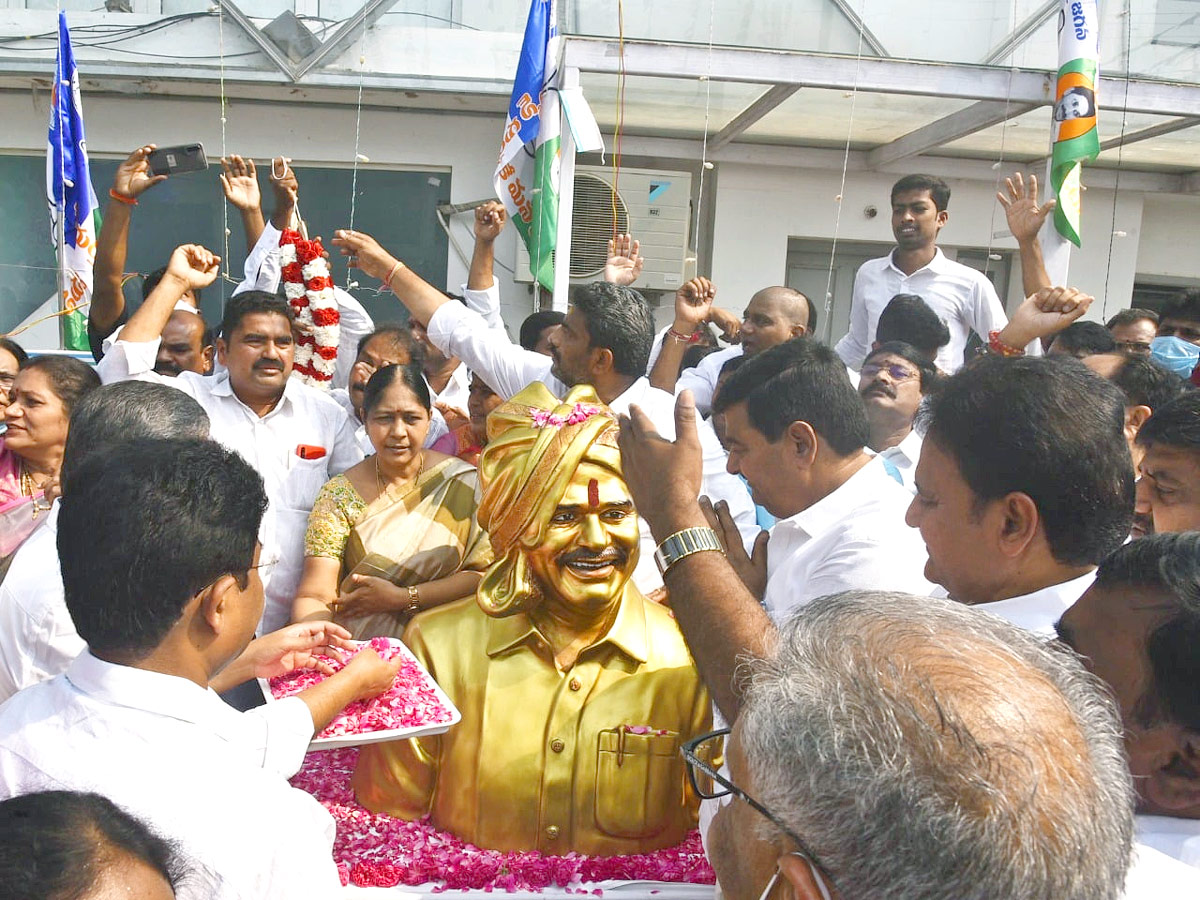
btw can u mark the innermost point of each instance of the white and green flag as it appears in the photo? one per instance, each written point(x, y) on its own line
point(528, 171)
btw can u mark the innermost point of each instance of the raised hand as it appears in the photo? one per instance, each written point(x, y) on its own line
point(489, 220)
point(286, 188)
point(240, 182)
point(751, 567)
point(663, 476)
point(693, 304)
point(1025, 215)
point(1046, 313)
point(624, 263)
point(729, 323)
point(363, 252)
point(133, 175)
point(193, 267)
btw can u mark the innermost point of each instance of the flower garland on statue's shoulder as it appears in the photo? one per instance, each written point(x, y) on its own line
point(309, 289)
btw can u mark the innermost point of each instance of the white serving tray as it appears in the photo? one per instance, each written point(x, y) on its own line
point(386, 734)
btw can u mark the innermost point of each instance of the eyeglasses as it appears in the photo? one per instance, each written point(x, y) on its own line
point(705, 787)
point(1140, 347)
point(898, 372)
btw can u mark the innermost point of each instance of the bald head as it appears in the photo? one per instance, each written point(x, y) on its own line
point(184, 346)
point(774, 315)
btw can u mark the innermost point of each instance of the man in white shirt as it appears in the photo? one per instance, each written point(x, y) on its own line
point(1024, 485)
point(963, 297)
point(774, 315)
point(796, 431)
point(799, 431)
point(295, 436)
point(1138, 628)
point(604, 341)
point(894, 380)
point(160, 568)
point(900, 746)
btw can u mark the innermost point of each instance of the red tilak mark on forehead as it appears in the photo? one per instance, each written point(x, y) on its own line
point(593, 493)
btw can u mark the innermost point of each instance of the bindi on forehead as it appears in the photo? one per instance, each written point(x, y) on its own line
point(593, 493)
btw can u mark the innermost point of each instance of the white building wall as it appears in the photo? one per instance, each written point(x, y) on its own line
point(760, 207)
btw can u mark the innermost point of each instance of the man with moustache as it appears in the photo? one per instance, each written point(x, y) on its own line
point(894, 380)
point(295, 436)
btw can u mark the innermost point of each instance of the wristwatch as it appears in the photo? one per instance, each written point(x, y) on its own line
point(685, 543)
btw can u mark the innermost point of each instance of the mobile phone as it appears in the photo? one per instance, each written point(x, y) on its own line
point(177, 160)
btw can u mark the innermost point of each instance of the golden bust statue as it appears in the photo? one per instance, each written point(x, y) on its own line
point(575, 691)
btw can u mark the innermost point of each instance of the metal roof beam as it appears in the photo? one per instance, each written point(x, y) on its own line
point(366, 16)
point(1021, 33)
point(976, 117)
point(768, 101)
point(884, 76)
point(1152, 132)
point(868, 37)
point(261, 40)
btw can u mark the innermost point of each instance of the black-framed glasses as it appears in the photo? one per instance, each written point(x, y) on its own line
point(712, 784)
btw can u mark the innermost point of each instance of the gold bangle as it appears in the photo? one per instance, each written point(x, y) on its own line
point(414, 599)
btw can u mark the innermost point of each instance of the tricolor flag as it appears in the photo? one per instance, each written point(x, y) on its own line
point(1074, 128)
point(527, 173)
point(74, 212)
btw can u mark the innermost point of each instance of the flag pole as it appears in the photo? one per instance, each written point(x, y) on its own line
point(60, 232)
point(566, 200)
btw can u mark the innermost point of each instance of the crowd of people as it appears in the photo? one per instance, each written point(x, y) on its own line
point(941, 581)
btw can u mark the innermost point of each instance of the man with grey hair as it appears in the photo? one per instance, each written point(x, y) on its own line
point(899, 746)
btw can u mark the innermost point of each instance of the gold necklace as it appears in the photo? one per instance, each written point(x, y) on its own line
point(379, 478)
point(29, 485)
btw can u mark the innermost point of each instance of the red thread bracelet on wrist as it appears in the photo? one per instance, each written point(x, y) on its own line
point(121, 198)
point(692, 338)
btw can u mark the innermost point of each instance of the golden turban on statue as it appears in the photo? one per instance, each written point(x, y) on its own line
point(535, 444)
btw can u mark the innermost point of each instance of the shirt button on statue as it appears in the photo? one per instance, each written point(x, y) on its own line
point(574, 684)
point(557, 746)
point(552, 832)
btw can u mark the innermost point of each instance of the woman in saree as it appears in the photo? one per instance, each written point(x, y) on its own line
point(396, 533)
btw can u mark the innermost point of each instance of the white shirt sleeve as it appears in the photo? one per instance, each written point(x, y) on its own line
point(853, 347)
point(346, 451)
point(355, 323)
point(486, 303)
point(717, 484)
point(701, 380)
point(505, 366)
point(262, 271)
point(129, 361)
point(288, 729)
point(656, 348)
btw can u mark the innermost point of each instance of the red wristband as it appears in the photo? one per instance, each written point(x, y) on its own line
point(998, 347)
point(692, 338)
point(121, 198)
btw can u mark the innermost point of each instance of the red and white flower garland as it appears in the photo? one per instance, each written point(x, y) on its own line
point(309, 289)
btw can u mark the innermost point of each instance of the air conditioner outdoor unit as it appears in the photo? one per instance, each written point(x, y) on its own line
point(655, 207)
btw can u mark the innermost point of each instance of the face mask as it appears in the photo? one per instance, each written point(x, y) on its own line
point(1175, 354)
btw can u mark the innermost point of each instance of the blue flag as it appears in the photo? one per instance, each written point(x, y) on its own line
point(528, 171)
point(69, 192)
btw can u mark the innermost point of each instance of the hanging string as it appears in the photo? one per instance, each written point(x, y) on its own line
point(224, 206)
point(704, 163)
point(620, 116)
point(1112, 231)
point(362, 71)
point(837, 224)
point(998, 166)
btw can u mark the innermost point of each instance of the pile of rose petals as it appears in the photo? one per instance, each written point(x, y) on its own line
point(411, 702)
point(375, 850)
